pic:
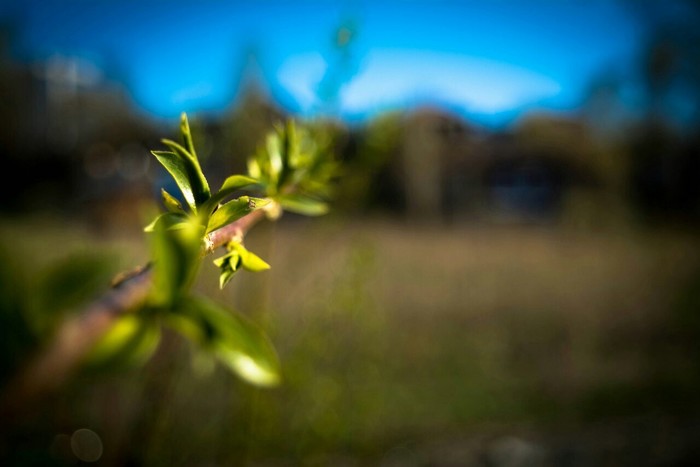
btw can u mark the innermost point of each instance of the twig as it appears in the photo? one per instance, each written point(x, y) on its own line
point(233, 231)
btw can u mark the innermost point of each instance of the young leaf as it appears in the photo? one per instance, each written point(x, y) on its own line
point(234, 210)
point(254, 263)
point(176, 251)
point(170, 202)
point(130, 342)
point(187, 134)
point(236, 342)
point(152, 225)
point(178, 168)
point(225, 277)
point(172, 219)
point(254, 168)
point(198, 182)
point(230, 186)
point(236, 182)
point(274, 155)
point(301, 204)
point(229, 264)
point(249, 260)
point(187, 324)
point(292, 140)
point(222, 261)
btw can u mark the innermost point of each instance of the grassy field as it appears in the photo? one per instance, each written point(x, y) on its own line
point(415, 345)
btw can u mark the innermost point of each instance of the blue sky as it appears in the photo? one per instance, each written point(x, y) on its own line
point(482, 58)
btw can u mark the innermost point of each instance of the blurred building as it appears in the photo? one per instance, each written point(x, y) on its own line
point(439, 167)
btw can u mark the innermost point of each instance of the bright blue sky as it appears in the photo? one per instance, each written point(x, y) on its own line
point(482, 58)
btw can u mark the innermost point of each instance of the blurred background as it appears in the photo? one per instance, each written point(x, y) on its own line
point(510, 275)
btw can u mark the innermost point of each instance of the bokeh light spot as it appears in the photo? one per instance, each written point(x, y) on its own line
point(86, 445)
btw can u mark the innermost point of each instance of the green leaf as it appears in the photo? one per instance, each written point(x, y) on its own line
point(236, 341)
point(229, 264)
point(236, 182)
point(254, 263)
point(225, 276)
point(187, 135)
point(130, 342)
point(249, 260)
point(254, 168)
point(170, 202)
point(274, 154)
point(236, 258)
point(172, 219)
point(229, 212)
point(234, 210)
point(188, 325)
point(179, 167)
point(222, 261)
point(230, 186)
point(175, 245)
point(152, 225)
point(197, 180)
point(301, 204)
point(293, 146)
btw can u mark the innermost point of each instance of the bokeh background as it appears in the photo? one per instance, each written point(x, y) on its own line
point(510, 275)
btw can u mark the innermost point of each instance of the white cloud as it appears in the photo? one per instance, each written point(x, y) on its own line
point(394, 78)
point(397, 78)
point(300, 76)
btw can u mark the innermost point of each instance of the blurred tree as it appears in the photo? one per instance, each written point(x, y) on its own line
point(590, 174)
point(664, 151)
point(646, 119)
point(369, 180)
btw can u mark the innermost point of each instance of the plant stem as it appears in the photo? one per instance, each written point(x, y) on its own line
point(233, 231)
point(54, 364)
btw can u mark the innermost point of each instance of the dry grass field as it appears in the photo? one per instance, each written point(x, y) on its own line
point(411, 344)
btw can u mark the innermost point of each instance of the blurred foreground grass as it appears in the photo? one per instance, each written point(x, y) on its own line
point(408, 345)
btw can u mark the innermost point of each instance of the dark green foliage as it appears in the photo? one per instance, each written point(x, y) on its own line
point(34, 298)
point(18, 336)
point(72, 280)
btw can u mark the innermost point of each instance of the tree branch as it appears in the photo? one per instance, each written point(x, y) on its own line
point(233, 231)
point(62, 357)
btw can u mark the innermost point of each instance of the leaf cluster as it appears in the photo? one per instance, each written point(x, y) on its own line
point(291, 172)
point(295, 169)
